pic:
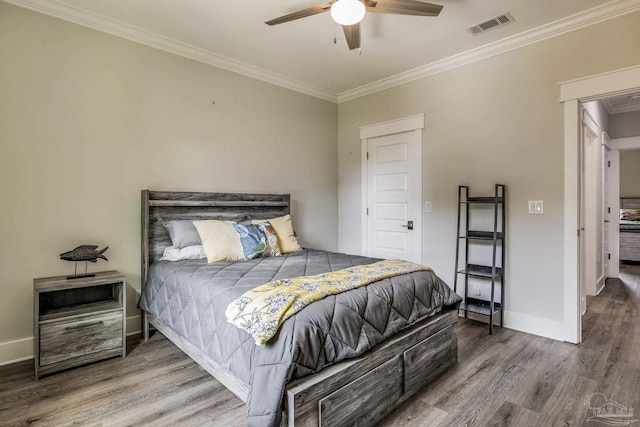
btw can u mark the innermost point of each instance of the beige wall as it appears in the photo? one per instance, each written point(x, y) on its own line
point(624, 125)
point(493, 121)
point(630, 173)
point(87, 120)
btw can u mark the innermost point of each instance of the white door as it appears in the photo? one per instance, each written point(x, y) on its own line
point(394, 196)
point(588, 216)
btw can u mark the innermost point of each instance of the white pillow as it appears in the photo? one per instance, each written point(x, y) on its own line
point(220, 240)
point(189, 252)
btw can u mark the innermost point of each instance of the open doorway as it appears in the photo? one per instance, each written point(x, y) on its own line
point(609, 212)
point(630, 202)
point(572, 94)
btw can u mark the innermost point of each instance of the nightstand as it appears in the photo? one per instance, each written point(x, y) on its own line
point(78, 321)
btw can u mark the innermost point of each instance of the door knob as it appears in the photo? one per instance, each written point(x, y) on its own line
point(409, 225)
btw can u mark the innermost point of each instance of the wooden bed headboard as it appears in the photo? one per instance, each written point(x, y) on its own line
point(629, 202)
point(160, 206)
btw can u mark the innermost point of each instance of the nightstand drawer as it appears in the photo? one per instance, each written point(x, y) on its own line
point(80, 336)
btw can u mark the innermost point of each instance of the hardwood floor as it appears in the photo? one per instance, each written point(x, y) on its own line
point(507, 379)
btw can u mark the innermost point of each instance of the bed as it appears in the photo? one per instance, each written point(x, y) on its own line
point(630, 230)
point(352, 369)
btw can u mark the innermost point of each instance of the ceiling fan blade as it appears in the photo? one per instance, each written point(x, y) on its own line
point(314, 10)
point(403, 7)
point(352, 34)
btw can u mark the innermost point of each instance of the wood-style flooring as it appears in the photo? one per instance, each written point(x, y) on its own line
point(507, 379)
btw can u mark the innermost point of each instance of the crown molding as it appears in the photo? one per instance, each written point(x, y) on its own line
point(98, 22)
point(618, 109)
point(574, 22)
point(101, 23)
point(625, 109)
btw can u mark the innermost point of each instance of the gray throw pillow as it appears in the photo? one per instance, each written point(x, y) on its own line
point(183, 233)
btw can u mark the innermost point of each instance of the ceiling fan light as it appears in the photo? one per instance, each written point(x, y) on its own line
point(348, 12)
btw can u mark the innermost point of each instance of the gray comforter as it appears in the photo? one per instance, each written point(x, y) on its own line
point(190, 297)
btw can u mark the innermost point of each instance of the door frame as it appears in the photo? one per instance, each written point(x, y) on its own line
point(614, 202)
point(405, 124)
point(572, 92)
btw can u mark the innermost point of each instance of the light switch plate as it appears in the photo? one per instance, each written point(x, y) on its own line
point(427, 207)
point(536, 207)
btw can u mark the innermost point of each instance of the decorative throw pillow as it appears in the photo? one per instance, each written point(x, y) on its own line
point(253, 240)
point(220, 240)
point(273, 248)
point(630, 214)
point(283, 227)
point(183, 233)
point(190, 252)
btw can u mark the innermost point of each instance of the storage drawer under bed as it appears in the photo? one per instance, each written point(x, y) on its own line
point(629, 246)
point(393, 381)
point(426, 360)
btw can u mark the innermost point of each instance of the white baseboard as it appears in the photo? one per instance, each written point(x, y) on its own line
point(600, 285)
point(133, 325)
point(535, 325)
point(22, 349)
point(16, 351)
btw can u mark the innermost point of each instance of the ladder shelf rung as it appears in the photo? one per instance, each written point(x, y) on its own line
point(489, 199)
point(482, 235)
point(480, 307)
point(480, 271)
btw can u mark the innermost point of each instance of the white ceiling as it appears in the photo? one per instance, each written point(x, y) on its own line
point(303, 50)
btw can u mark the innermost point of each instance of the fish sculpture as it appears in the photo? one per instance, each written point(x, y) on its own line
point(84, 253)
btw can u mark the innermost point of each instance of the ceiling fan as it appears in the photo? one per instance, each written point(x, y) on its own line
point(349, 13)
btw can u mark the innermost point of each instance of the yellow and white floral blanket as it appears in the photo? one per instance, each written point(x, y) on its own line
point(262, 310)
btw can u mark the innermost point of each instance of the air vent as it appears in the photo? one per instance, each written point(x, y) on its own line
point(494, 22)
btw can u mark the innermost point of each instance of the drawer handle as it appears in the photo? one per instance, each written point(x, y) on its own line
point(86, 325)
